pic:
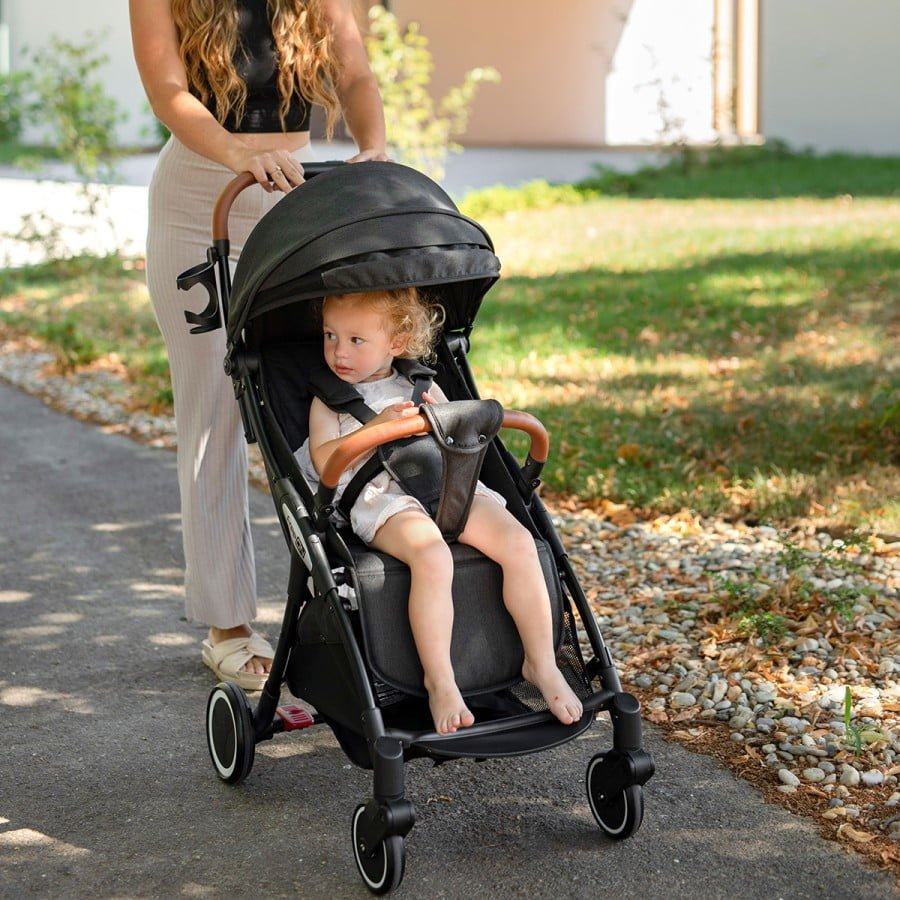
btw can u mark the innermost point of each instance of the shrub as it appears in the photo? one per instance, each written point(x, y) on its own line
point(420, 130)
point(71, 102)
point(12, 105)
point(63, 96)
point(538, 194)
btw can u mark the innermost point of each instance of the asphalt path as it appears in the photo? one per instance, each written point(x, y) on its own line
point(106, 789)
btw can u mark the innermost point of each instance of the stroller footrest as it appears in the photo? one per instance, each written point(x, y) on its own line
point(528, 737)
point(294, 718)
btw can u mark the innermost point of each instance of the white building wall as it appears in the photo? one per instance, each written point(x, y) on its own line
point(578, 73)
point(830, 72)
point(660, 82)
point(31, 23)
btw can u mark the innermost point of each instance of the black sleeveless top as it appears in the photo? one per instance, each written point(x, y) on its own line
point(256, 63)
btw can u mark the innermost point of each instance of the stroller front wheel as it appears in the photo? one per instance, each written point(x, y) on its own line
point(229, 732)
point(618, 811)
point(381, 869)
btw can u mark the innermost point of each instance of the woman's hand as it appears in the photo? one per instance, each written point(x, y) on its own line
point(275, 170)
point(377, 154)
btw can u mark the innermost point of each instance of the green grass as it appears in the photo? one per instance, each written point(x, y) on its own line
point(90, 311)
point(14, 153)
point(765, 172)
point(729, 356)
point(723, 354)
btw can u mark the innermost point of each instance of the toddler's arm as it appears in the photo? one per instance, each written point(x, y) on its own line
point(324, 436)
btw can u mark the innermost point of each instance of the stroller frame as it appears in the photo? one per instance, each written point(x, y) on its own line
point(614, 778)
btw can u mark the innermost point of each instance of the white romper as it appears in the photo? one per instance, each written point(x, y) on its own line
point(382, 497)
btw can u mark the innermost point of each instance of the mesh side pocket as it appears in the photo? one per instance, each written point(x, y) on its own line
point(570, 663)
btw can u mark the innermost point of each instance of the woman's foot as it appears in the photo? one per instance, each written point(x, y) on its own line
point(448, 709)
point(555, 690)
point(256, 665)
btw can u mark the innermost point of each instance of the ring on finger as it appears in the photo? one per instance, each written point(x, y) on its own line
point(277, 169)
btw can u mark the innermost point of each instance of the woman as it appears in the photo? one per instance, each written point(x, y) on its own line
point(233, 80)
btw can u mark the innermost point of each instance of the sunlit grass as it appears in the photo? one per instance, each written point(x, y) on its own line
point(732, 356)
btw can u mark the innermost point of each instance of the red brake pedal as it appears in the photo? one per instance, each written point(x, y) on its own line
point(294, 717)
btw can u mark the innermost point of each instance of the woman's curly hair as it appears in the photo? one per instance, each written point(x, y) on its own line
point(408, 314)
point(208, 41)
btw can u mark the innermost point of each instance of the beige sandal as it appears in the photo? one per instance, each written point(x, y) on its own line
point(227, 657)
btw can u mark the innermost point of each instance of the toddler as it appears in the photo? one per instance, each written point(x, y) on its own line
point(363, 334)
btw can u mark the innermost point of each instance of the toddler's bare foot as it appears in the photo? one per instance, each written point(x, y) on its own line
point(554, 688)
point(448, 709)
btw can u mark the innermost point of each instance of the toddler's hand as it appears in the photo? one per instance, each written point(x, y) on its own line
point(396, 411)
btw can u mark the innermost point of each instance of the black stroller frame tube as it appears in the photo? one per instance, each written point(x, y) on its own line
point(222, 247)
point(388, 813)
point(609, 677)
point(624, 709)
point(264, 715)
point(391, 814)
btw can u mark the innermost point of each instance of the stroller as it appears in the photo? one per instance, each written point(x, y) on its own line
point(345, 647)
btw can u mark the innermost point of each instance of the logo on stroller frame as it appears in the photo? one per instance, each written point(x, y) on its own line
point(296, 536)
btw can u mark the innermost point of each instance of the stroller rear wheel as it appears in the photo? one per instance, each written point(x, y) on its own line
point(618, 810)
point(229, 732)
point(381, 870)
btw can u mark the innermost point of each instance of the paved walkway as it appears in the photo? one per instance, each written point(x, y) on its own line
point(123, 224)
point(106, 789)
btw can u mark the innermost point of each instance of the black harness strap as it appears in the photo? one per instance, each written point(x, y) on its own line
point(342, 397)
point(337, 395)
point(441, 469)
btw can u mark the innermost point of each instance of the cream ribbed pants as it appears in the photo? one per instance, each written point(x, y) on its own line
point(220, 575)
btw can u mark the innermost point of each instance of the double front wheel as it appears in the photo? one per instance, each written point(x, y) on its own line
point(381, 867)
point(618, 811)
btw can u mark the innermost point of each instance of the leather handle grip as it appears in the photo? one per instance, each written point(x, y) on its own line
point(226, 199)
point(247, 179)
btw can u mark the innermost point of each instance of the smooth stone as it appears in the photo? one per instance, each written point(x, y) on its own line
point(682, 699)
point(786, 776)
point(813, 775)
point(872, 778)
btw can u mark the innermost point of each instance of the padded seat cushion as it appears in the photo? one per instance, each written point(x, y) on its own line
point(486, 651)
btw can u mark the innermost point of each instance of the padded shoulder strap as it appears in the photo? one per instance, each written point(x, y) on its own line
point(421, 376)
point(338, 395)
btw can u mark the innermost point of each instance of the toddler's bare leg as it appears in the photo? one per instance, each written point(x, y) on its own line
point(414, 539)
point(496, 533)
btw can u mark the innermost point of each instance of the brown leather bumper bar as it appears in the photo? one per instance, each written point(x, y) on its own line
point(366, 439)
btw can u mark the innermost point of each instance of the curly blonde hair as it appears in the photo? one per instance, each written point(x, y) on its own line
point(407, 313)
point(208, 41)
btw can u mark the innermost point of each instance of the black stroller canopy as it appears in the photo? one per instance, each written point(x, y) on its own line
point(366, 226)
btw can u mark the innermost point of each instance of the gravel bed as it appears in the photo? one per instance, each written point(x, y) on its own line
point(664, 593)
point(657, 590)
